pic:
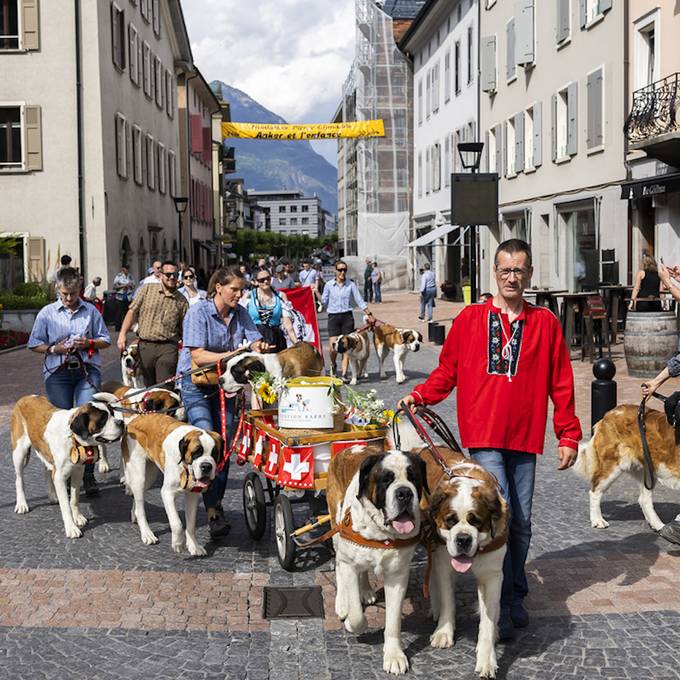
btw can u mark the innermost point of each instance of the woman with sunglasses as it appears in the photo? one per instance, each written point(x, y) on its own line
point(267, 308)
point(189, 289)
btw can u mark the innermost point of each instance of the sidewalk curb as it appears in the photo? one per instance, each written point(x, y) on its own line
point(12, 349)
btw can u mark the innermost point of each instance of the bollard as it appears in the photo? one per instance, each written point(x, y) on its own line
point(602, 390)
point(431, 326)
point(439, 335)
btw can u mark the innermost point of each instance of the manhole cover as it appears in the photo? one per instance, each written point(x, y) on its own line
point(293, 603)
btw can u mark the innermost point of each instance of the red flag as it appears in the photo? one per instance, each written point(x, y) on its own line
point(272, 467)
point(245, 443)
point(337, 447)
point(303, 301)
point(297, 467)
point(258, 452)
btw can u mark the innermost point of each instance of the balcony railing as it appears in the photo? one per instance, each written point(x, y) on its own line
point(654, 110)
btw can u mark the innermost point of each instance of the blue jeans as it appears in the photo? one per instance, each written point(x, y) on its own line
point(515, 472)
point(427, 300)
point(377, 295)
point(202, 405)
point(66, 389)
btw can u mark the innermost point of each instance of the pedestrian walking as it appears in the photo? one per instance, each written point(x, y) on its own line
point(154, 274)
point(64, 262)
point(214, 329)
point(282, 280)
point(90, 293)
point(189, 288)
point(160, 312)
point(123, 285)
point(507, 358)
point(428, 292)
point(368, 283)
point(376, 281)
point(337, 299)
point(70, 333)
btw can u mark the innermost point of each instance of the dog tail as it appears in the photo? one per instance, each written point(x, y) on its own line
point(587, 460)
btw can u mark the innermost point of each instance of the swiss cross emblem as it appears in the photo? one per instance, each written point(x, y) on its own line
point(244, 443)
point(297, 469)
point(258, 455)
point(271, 469)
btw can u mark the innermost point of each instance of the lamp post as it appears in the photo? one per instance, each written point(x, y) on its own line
point(470, 157)
point(181, 203)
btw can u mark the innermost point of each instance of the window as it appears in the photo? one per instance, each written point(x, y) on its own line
point(172, 173)
point(118, 36)
point(510, 148)
point(510, 63)
point(435, 88)
point(646, 47)
point(137, 163)
point(428, 95)
point(133, 50)
point(592, 10)
point(155, 7)
point(563, 27)
point(447, 161)
point(150, 163)
point(420, 102)
point(564, 124)
point(595, 129)
point(9, 24)
point(159, 82)
point(420, 174)
point(145, 9)
point(293, 221)
point(488, 65)
point(305, 208)
point(11, 155)
point(470, 53)
point(447, 76)
point(282, 208)
point(146, 65)
point(529, 139)
point(169, 94)
point(121, 146)
point(162, 161)
point(305, 220)
point(282, 221)
point(293, 208)
point(456, 67)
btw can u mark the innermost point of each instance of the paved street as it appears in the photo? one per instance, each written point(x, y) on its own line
point(604, 603)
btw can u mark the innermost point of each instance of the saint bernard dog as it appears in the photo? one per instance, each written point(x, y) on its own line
point(188, 458)
point(357, 347)
point(374, 496)
point(64, 440)
point(616, 447)
point(129, 366)
point(302, 359)
point(466, 529)
point(400, 341)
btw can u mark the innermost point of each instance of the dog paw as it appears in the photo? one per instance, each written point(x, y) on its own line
point(357, 625)
point(21, 508)
point(599, 523)
point(368, 596)
point(73, 532)
point(341, 609)
point(52, 499)
point(442, 638)
point(148, 537)
point(197, 550)
point(395, 662)
point(121, 480)
point(353, 381)
point(179, 543)
point(103, 465)
point(79, 519)
point(400, 381)
point(487, 668)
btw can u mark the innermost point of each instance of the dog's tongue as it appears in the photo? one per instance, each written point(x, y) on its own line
point(461, 564)
point(403, 524)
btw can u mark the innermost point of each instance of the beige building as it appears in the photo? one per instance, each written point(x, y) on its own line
point(552, 80)
point(653, 130)
point(90, 133)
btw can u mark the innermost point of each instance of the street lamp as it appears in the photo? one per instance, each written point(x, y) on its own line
point(472, 153)
point(181, 203)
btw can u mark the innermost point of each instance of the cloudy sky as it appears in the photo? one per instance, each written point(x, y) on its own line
point(292, 56)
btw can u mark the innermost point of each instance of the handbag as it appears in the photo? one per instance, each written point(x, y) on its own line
point(206, 378)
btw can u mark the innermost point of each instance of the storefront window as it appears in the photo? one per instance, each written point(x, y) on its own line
point(583, 269)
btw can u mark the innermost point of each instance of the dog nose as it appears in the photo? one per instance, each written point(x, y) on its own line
point(404, 495)
point(463, 542)
point(206, 468)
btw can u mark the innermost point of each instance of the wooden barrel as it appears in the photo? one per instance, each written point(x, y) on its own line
point(651, 338)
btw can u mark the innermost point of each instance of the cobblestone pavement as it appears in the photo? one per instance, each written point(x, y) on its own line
point(604, 603)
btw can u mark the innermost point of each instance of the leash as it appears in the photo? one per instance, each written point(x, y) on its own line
point(649, 478)
point(370, 325)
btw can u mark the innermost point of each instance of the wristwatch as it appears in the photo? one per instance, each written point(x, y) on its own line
point(50, 349)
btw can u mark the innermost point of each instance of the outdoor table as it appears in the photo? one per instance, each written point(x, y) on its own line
point(614, 296)
point(568, 316)
point(545, 297)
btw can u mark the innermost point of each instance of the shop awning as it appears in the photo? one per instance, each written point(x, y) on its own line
point(651, 186)
point(433, 235)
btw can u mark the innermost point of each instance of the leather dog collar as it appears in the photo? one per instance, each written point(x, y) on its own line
point(345, 530)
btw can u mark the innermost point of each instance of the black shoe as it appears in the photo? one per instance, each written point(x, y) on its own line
point(506, 630)
point(519, 615)
point(218, 525)
point(421, 318)
point(90, 485)
point(671, 532)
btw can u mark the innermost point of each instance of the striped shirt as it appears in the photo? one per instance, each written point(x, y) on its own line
point(56, 323)
point(338, 299)
point(428, 282)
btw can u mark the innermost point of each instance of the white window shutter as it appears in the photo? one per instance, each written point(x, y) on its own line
point(504, 153)
point(553, 126)
point(572, 119)
point(488, 65)
point(563, 12)
point(583, 14)
point(604, 5)
point(30, 25)
point(524, 32)
point(510, 65)
point(498, 133)
point(519, 142)
point(595, 136)
point(33, 123)
point(538, 134)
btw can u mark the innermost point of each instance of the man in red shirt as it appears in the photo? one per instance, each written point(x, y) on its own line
point(506, 358)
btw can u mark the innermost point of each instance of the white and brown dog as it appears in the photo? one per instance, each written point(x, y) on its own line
point(302, 359)
point(188, 458)
point(374, 496)
point(358, 348)
point(129, 366)
point(64, 440)
point(466, 530)
point(400, 341)
point(616, 447)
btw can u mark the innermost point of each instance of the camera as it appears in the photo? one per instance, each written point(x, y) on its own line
point(72, 361)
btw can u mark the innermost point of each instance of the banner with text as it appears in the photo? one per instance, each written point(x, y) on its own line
point(361, 128)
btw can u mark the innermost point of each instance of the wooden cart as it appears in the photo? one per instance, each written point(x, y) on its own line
point(258, 496)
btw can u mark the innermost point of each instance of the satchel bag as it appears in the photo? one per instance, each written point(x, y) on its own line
point(206, 378)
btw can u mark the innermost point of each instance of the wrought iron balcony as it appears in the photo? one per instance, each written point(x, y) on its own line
point(653, 123)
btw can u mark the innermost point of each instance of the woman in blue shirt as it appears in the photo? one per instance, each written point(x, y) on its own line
point(214, 329)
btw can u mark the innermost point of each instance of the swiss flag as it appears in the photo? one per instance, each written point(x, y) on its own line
point(258, 451)
point(244, 443)
point(338, 447)
point(296, 468)
point(271, 469)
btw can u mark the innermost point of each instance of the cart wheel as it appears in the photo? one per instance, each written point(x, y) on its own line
point(254, 506)
point(284, 525)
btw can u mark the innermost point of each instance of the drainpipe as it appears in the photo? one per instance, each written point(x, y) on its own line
point(193, 75)
point(626, 105)
point(79, 145)
point(212, 113)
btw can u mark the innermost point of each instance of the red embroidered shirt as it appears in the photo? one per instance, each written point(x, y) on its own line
point(504, 374)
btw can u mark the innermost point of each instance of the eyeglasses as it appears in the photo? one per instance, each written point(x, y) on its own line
point(264, 280)
point(170, 275)
point(341, 269)
point(505, 273)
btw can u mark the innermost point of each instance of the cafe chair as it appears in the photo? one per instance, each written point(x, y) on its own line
point(595, 330)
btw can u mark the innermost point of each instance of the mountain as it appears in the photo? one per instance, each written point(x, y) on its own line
point(269, 164)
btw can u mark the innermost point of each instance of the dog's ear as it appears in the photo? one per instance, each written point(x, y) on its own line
point(365, 471)
point(80, 425)
point(218, 451)
point(418, 470)
point(184, 443)
point(436, 500)
point(423, 473)
point(496, 507)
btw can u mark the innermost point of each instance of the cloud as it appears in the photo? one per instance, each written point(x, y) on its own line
point(292, 56)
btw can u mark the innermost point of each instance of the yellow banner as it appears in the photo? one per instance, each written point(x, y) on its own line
point(362, 128)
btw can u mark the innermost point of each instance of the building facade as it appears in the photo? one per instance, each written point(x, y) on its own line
point(442, 46)
point(290, 212)
point(653, 130)
point(552, 113)
point(88, 113)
